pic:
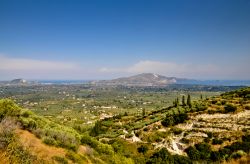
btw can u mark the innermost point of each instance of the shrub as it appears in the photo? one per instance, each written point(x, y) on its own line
point(224, 153)
point(98, 146)
point(238, 154)
point(201, 107)
point(214, 101)
point(142, 149)
point(107, 123)
point(9, 108)
point(179, 159)
point(89, 141)
point(216, 141)
point(76, 158)
point(176, 131)
point(185, 140)
point(215, 156)
point(209, 134)
point(97, 129)
point(28, 123)
point(247, 107)
point(204, 150)
point(161, 157)
point(26, 113)
point(246, 138)
point(230, 108)
point(175, 119)
point(49, 141)
point(193, 153)
point(60, 160)
point(168, 121)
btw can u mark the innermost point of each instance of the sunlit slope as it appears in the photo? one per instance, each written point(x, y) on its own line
point(28, 138)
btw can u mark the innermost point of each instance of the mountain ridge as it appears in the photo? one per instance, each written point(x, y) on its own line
point(156, 80)
point(143, 79)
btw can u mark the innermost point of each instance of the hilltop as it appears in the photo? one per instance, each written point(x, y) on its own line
point(18, 81)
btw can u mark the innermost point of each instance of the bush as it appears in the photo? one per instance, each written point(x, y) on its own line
point(216, 141)
point(176, 131)
point(60, 160)
point(98, 146)
point(201, 107)
point(230, 108)
point(49, 141)
point(224, 153)
point(161, 157)
point(174, 119)
point(209, 134)
point(179, 159)
point(28, 123)
point(97, 129)
point(26, 113)
point(238, 154)
point(246, 138)
point(204, 149)
point(76, 158)
point(193, 153)
point(129, 135)
point(215, 156)
point(8, 108)
point(185, 140)
point(142, 149)
point(247, 107)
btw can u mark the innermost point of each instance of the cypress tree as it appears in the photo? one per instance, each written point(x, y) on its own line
point(177, 102)
point(189, 101)
point(183, 101)
point(143, 112)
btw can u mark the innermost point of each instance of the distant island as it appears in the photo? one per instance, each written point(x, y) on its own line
point(156, 80)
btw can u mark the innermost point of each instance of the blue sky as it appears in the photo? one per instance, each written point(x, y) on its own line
point(59, 39)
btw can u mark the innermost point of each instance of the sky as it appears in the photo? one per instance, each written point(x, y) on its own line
point(104, 39)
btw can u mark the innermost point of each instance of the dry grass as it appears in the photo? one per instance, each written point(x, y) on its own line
point(242, 160)
point(3, 157)
point(37, 148)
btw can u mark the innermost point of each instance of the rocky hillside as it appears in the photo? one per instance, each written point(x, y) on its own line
point(215, 129)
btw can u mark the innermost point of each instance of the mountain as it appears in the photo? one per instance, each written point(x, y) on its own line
point(144, 79)
point(151, 79)
point(18, 81)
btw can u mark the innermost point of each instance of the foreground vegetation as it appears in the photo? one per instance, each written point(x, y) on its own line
point(191, 129)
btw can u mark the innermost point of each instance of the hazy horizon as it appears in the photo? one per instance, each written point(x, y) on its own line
point(111, 78)
point(94, 40)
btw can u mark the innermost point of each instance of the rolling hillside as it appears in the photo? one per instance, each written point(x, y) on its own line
point(215, 129)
